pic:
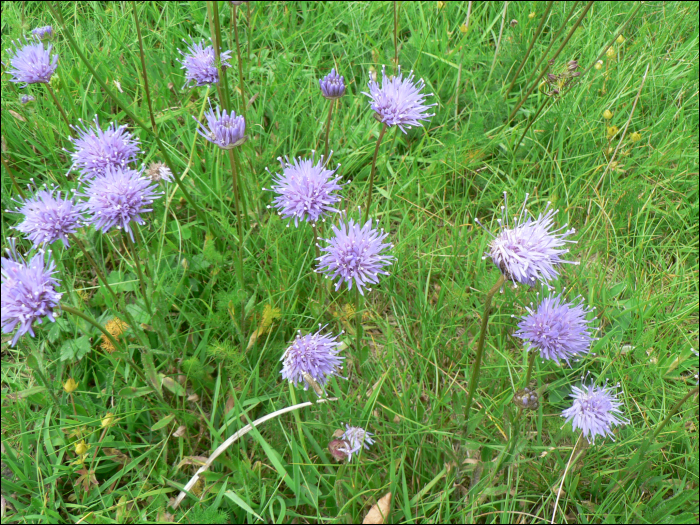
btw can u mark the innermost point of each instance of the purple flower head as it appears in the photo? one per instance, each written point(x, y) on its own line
point(43, 33)
point(529, 250)
point(332, 85)
point(200, 63)
point(32, 63)
point(96, 150)
point(49, 217)
point(312, 354)
point(559, 330)
point(28, 291)
point(118, 197)
point(357, 439)
point(306, 190)
point(224, 130)
point(355, 253)
point(399, 101)
point(594, 411)
point(26, 99)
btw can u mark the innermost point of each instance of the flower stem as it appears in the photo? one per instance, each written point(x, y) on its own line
point(358, 322)
point(529, 124)
point(143, 66)
point(374, 169)
point(396, 24)
point(530, 364)
point(238, 260)
point(215, 29)
point(328, 126)
point(142, 281)
point(241, 189)
point(60, 109)
point(240, 62)
point(248, 31)
point(476, 367)
point(12, 178)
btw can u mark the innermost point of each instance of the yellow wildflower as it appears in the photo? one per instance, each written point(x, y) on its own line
point(70, 386)
point(620, 39)
point(607, 114)
point(612, 131)
point(636, 137)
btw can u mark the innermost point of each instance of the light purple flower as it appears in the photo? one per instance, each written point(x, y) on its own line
point(200, 63)
point(312, 354)
point(49, 217)
point(118, 197)
point(28, 292)
point(96, 150)
point(26, 99)
point(332, 85)
point(529, 250)
point(306, 190)
point(225, 130)
point(357, 439)
point(399, 101)
point(559, 330)
point(32, 63)
point(43, 33)
point(594, 411)
point(355, 253)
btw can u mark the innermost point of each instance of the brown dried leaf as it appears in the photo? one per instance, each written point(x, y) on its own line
point(180, 431)
point(380, 511)
point(17, 115)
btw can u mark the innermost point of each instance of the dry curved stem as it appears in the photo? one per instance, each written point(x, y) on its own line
point(230, 441)
point(572, 459)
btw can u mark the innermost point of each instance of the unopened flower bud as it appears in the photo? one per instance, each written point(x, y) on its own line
point(607, 114)
point(599, 65)
point(531, 15)
point(636, 137)
point(620, 39)
point(107, 420)
point(81, 448)
point(610, 53)
point(70, 386)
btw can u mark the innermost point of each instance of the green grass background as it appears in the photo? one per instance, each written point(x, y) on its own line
point(637, 234)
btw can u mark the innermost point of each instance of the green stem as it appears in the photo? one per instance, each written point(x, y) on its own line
point(529, 124)
point(142, 281)
point(530, 365)
point(674, 410)
point(12, 178)
point(41, 377)
point(358, 322)
point(60, 109)
point(297, 419)
point(248, 31)
point(215, 30)
point(240, 62)
point(241, 188)
point(396, 25)
point(328, 126)
point(374, 169)
point(143, 66)
point(239, 221)
point(476, 367)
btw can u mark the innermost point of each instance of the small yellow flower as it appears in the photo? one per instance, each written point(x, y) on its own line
point(531, 15)
point(607, 114)
point(107, 420)
point(463, 28)
point(636, 137)
point(612, 131)
point(610, 53)
point(620, 39)
point(81, 448)
point(70, 386)
point(441, 5)
point(599, 64)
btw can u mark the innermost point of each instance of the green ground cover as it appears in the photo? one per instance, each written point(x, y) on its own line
point(627, 184)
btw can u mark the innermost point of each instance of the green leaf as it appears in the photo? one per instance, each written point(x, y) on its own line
point(242, 504)
point(75, 348)
point(163, 422)
point(150, 370)
point(132, 391)
point(172, 385)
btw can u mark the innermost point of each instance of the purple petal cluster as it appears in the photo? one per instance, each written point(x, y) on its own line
point(225, 130)
point(32, 64)
point(26, 99)
point(312, 354)
point(530, 250)
point(28, 292)
point(559, 330)
point(356, 438)
point(332, 85)
point(594, 411)
point(96, 150)
point(49, 217)
point(305, 190)
point(43, 33)
point(118, 197)
point(200, 64)
point(399, 102)
point(355, 253)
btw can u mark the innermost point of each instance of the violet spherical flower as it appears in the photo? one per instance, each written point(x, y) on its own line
point(559, 330)
point(356, 438)
point(594, 411)
point(314, 356)
point(28, 292)
point(26, 99)
point(332, 85)
point(43, 33)
point(200, 64)
point(118, 197)
point(32, 63)
point(49, 217)
point(355, 253)
point(306, 190)
point(530, 250)
point(399, 102)
point(96, 150)
point(223, 129)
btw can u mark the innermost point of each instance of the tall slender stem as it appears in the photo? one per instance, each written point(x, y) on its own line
point(529, 125)
point(674, 410)
point(238, 258)
point(142, 281)
point(374, 167)
point(358, 322)
point(12, 177)
point(476, 367)
point(530, 365)
point(396, 24)
point(328, 124)
point(248, 31)
point(529, 49)
point(241, 188)
point(240, 62)
point(143, 66)
point(60, 109)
